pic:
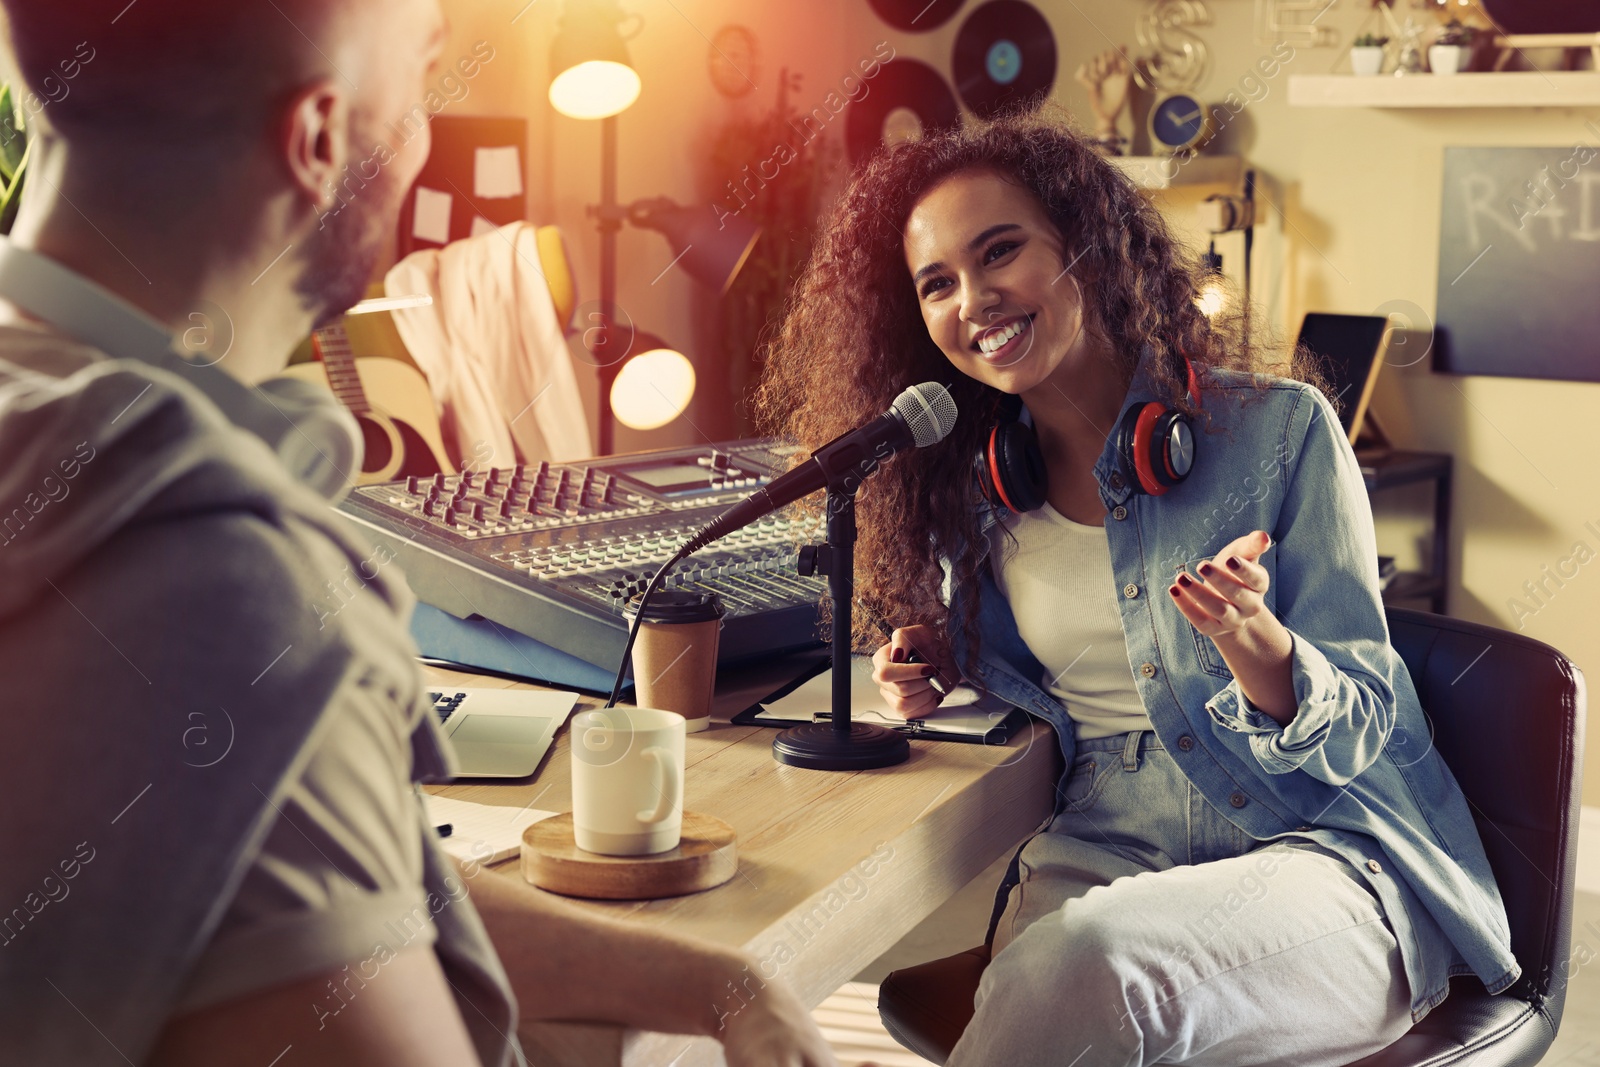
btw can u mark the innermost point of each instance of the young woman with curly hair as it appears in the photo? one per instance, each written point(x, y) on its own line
point(1256, 856)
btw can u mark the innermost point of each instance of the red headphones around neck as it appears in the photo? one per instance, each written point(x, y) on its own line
point(1155, 448)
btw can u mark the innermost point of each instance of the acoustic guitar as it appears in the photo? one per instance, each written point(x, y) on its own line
point(390, 401)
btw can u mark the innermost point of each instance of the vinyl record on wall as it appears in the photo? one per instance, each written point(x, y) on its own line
point(1004, 58)
point(907, 100)
point(916, 15)
point(1544, 16)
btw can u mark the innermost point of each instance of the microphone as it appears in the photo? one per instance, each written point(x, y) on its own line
point(922, 415)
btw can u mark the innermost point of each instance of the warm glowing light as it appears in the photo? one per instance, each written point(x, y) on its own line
point(596, 89)
point(652, 389)
point(1212, 299)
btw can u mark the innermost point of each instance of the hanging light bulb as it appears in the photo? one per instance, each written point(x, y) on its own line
point(1213, 296)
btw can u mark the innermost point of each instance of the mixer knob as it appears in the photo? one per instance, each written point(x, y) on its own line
point(449, 516)
point(411, 485)
point(477, 513)
point(427, 507)
point(494, 475)
point(466, 479)
point(438, 481)
point(505, 509)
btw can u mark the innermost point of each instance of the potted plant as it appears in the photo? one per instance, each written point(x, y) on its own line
point(1450, 50)
point(1366, 54)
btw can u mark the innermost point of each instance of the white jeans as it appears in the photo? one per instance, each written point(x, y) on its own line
point(1148, 929)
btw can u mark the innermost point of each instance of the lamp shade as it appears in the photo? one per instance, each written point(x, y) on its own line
point(591, 77)
point(710, 247)
point(653, 387)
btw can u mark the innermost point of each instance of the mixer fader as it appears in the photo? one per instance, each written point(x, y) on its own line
point(554, 550)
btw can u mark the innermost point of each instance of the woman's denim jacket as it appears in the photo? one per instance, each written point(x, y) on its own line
point(1355, 768)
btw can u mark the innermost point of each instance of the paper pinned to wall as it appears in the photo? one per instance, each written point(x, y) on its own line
point(430, 220)
point(497, 172)
point(481, 226)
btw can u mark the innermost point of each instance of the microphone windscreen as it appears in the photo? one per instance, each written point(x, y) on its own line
point(929, 412)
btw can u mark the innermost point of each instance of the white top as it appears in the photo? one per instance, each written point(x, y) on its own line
point(1058, 580)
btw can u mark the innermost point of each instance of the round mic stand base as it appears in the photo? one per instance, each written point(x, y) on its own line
point(819, 747)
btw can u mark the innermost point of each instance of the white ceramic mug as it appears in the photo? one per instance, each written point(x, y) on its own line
point(627, 780)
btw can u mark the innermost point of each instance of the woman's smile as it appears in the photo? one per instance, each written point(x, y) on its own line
point(1004, 341)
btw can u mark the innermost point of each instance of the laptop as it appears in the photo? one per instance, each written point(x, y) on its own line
point(500, 733)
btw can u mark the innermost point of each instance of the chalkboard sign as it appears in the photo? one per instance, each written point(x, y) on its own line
point(1519, 263)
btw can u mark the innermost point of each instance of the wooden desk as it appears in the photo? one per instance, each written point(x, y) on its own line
point(834, 867)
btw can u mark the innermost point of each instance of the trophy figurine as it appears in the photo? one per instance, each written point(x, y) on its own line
point(1106, 76)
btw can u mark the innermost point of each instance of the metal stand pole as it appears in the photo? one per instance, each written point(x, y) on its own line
point(607, 357)
point(840, 745)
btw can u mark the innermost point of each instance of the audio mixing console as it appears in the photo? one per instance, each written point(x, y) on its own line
point(554, 551)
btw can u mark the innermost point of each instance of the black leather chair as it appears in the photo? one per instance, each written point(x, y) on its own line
point(1512, 734)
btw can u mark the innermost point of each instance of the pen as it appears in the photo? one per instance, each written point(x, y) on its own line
point(912, 657)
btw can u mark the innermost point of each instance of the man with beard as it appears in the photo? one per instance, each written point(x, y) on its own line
point(213, 849)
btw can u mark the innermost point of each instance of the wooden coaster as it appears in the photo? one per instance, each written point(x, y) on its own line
point(706, 856)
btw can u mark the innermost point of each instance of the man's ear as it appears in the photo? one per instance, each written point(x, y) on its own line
point(314, 141)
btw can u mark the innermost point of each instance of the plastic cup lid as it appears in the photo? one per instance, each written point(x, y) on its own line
point(678, 606)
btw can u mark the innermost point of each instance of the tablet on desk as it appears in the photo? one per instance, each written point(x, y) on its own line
point(963, 715)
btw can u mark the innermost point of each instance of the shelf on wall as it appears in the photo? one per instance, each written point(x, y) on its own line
point(1156, 172)
point(1556, 88)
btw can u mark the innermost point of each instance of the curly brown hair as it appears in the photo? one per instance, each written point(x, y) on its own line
point(852, 338)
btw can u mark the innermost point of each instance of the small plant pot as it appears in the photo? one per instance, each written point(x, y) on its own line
point(1367, 60)
point(1447, 58)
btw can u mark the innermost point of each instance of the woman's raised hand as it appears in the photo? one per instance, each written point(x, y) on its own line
point(1233, 598)
point(907, 686)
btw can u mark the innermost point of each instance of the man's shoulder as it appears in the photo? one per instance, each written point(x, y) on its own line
point(41, 351)
point(209, 594)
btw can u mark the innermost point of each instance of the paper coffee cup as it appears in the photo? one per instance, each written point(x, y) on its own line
point(627, 780)
point(675, 656)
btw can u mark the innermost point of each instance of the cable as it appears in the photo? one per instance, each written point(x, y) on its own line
point(704, 537)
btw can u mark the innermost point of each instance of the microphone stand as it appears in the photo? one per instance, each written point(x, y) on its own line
point(839, 745)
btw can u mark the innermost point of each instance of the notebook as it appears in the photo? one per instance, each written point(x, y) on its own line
point(485, 833)
point(963, 715)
